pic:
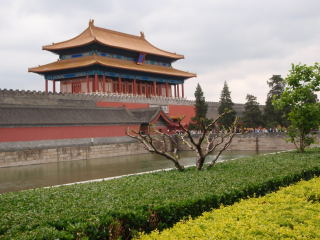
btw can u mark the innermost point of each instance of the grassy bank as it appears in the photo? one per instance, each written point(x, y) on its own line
point(290, 213)
point(124, 206)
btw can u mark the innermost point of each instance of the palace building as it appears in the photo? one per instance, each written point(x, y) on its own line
point(103, 83)
point(109, 82)
point(107, 62)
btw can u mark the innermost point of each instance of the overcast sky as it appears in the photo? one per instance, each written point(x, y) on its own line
point(241, 42)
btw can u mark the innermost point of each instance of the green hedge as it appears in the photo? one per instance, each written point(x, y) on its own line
point(122, 207)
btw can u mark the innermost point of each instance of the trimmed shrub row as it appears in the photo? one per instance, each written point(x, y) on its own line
point(123, 207)
point(290, 213)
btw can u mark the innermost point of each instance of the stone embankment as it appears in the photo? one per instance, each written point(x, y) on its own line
point(17, 154)
point(66, 150)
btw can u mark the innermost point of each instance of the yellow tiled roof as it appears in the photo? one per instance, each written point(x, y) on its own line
point(109, 62)
point(113, 39)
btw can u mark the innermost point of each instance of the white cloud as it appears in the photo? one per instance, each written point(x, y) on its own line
point(250, 76)
point(241, 42)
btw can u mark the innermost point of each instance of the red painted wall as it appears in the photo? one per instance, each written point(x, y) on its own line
point(65, 132)
point(182, 110)
point(122, 104)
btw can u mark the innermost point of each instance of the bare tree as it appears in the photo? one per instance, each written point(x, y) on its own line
point(211, 138)
point(151, 140)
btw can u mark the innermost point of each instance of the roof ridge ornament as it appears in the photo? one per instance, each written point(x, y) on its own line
point(91, 22)
point(91, 26)
point(142, 35)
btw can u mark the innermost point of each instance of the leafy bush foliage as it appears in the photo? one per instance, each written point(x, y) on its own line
point(123, 207)
point(291, 213)
point(300, 101)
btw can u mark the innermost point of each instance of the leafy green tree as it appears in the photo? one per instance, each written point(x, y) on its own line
point(273, 117)
point(252, 116)
point(300, 95)
point(226, 105)
point(201, 107)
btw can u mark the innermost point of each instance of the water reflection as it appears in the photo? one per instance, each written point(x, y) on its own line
point(33, 176)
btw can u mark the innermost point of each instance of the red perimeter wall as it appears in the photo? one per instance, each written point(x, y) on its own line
point(65, 132)
point(14, 134)
point(182, 110)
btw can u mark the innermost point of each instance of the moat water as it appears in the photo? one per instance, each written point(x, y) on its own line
point(42, 175)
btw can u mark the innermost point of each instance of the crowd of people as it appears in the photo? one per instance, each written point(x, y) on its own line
point(264, 130)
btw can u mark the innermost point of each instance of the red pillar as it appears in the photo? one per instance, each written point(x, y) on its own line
point(93, 88)
point(103, 83)
point(119, 85)
point(175, 90)
point(147, 90)
point(134, 87)
point(167, 89)
point(88, 84)
point(182, 88)
point(108, 84)
point(127, 87)
point(154, 88)
point(114, 85)
point(178, 91)
point(96, 82)
point(54, 86)
point(46, 86)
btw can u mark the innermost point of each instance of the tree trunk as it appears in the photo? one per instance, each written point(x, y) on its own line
point(200, 162)
point(172, 159)
point(302, 143)
point(179, 166)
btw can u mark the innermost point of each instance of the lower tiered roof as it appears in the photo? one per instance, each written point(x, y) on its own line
point(27, 116)
point(109, 62)
point(57, 116)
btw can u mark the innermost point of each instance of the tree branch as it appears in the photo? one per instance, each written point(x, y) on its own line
point(230, 135)
point(149, 145)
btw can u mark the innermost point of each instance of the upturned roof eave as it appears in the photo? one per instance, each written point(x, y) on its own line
point(91, 64)
point(162, 114)
point(95, 60)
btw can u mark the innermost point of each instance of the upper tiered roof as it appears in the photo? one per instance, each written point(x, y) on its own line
point(111, 38)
